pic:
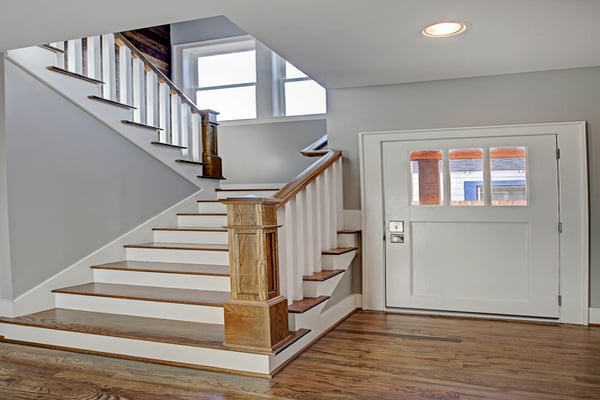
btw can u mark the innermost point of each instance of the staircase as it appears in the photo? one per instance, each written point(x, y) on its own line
point(167, 301)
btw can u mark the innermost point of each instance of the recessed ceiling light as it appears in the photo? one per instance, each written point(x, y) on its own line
point(444, 29)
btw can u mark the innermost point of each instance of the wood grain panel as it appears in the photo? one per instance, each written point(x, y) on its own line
point(155, 43)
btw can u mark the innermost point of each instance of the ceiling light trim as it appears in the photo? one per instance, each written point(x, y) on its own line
point(443, 29)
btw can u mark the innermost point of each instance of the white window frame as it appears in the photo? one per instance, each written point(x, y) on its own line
point(270, 68)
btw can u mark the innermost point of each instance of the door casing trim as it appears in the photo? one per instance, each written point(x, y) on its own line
point(573, 197)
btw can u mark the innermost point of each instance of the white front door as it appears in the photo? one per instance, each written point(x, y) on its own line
point(472, 225)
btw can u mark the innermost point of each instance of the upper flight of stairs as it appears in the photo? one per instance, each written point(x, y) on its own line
point(164, 301)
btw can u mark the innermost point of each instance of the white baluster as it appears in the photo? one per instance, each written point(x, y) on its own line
point(284, 279)
point(75, 59)
point(109, 90)
point(339, 194)
point(186, 114)
point(175, 118)
point(151, 97)
point(125, 77)
point(321, 220)
point(60, 58)
point(301, 235)
point(291, 249)
point(195, 142)
point(332, 207)
point(94, 61)
point(138, 86)
point(327, 211)
point(313, 227)
point(164, 110)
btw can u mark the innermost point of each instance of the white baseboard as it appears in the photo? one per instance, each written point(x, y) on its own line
point(6, 308)
point(352, 219)
point(594, 315)
point(41, 297)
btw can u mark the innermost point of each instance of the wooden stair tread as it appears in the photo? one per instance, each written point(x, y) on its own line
point(246, 189)
point(220, 178)
point(208, 201)
point(126, 326)
point(196, 334)
point(168, 268)
point(74, 75)
point(112, 102)
point(340, 250)
point(301, 306)
point(349, 231)
point(149, 293)
point(53, 49)
point(208, 213)
point(173, 146)
point(179, 246)
point(191, 229)
point(182, 161)
point(322, 275)
point(140, 125)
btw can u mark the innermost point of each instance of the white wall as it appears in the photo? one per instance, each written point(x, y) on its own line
point(203, 29)
point(267, 152)
point(5, 272)
point(552, 96)
point(75, 185)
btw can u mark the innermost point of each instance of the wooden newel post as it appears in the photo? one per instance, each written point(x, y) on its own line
point(210, 148)
point(256, 315)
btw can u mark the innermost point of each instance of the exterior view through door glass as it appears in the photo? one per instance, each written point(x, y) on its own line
point(479, 220)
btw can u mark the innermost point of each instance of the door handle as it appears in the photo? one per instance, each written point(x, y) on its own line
point(398, 238)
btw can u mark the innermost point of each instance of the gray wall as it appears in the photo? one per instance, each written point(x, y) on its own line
point(5, 275)
point(267, 152)
point(553, 96)
point(203, 29)
point(74, 184)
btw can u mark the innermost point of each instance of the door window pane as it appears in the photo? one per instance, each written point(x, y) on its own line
point(227, 69)
point(231, 103)
point(466, 177)
point(426, 173)
point(508, 168)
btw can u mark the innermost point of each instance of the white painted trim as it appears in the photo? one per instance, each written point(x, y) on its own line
point(574, 261)
point(6, 308)
point(159, 279)
point(594, 315)
point(216, 358)
point(40, 297)
point(352, 219)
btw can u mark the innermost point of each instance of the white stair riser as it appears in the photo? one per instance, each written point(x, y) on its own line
point(178, 256)
point(211, 207)
point(216, 221)
point(242, 193)
point(141, 308)
point(348, 240)
point(325, 288)
point(213, 358)
point(338, 261)
point(190, 237)
point(158, 279)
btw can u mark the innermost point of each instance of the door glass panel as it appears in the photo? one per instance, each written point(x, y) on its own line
point(426, 174)
point(466, 177)
point(508, 169)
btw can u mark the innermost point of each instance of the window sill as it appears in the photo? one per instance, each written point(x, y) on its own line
point(273, 120)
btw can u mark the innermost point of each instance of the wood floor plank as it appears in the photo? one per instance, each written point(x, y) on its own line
point(370, 355)
point(149, 293)
point(168, 268)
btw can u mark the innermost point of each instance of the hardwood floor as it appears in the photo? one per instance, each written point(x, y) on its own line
point(371, 355)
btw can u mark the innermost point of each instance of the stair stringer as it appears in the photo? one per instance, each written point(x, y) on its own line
point(41, 297)
point(34, 61)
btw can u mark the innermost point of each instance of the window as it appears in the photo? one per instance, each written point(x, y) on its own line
point(243, 79)
point(427, 182)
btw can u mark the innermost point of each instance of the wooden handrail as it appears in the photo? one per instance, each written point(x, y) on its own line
point(315, 149)
point(161, 75)
point(296, 185)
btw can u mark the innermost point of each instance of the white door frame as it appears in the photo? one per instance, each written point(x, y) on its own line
point(573, 197)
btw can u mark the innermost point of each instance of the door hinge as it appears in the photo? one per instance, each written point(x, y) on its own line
point(558, 154)
point(559, 300)
point(560, 227)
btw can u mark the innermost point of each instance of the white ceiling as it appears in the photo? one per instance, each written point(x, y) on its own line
point(348, 43)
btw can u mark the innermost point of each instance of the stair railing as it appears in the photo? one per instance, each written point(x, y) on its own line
point(273, 243)
point(130, 78)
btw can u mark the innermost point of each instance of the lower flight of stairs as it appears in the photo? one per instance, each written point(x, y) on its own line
point(164, 302)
